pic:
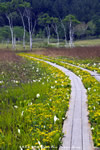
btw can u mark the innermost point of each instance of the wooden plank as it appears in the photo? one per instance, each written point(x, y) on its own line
point(77, 133)
point(76, 127)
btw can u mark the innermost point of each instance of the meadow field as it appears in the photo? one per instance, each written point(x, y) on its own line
point(35, 96)
point(42, 43)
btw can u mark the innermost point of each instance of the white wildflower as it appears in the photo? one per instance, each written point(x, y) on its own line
point(20, 148)
point(38, 95)
point(29, 103)
point(94, 107)
point(1, 81)
point(52, 87)
point(19, 131)
point(22, 113)
point(15, 81)
point(92, 128)
point(39, 142)
point(55, 119)
point(34, 80)
point(89, 89)
point(37, 70)
point(55, 81)
point(15, 106)
point(63, 118)
point(2, 72)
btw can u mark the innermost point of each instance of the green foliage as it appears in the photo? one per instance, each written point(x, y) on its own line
point(72, 19)
point(34, 99)
point(44, 19)
point(78, 8)
point(96, 21)
point(18, 32)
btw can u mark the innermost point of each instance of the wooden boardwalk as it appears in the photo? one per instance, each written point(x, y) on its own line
point(76, 129)
point(77, 133)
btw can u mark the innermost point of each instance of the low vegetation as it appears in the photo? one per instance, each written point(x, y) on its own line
point(34, 98)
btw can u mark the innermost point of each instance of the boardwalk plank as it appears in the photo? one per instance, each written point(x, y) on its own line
point(76, 129)
point(77, 133)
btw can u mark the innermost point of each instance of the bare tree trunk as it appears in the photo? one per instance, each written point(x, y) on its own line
point(30, 26)
point(31, 42)
point(11, 29)
point(24, 35)
point(71, 44)
point(12, 36)
point(48, 33)
point(66, 43)
point(56, 31)
point(14, 42)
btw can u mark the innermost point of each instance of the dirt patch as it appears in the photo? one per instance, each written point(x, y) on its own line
point(78, 52)
point(9, 56)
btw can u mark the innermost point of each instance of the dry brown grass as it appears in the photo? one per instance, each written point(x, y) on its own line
point(77, 52)
point(6, 55)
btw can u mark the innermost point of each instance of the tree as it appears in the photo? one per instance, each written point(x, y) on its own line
point(72, 21)
point(45, 21)
point(10, 13)
point(20, 7)
point(91, 28)
point(63, 23)
point(55, 22)
point(31, 24)
point(80, 30)
point(10, 17)
point(96, 21)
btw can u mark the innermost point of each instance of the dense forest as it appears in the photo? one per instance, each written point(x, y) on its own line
point(65, 19)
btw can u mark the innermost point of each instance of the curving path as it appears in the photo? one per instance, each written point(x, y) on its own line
point(96, 75)
point(77, 133)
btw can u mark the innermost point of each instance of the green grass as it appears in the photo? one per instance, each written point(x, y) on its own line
point(34, 98)
point(94, 42)
point(39, 43)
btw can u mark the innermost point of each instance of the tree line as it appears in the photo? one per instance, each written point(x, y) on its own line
point(67, 19)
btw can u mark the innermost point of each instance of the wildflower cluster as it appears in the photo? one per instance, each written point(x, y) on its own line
point(93, 65)
point(33, 112)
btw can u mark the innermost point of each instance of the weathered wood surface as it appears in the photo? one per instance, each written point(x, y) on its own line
point(77, 133)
